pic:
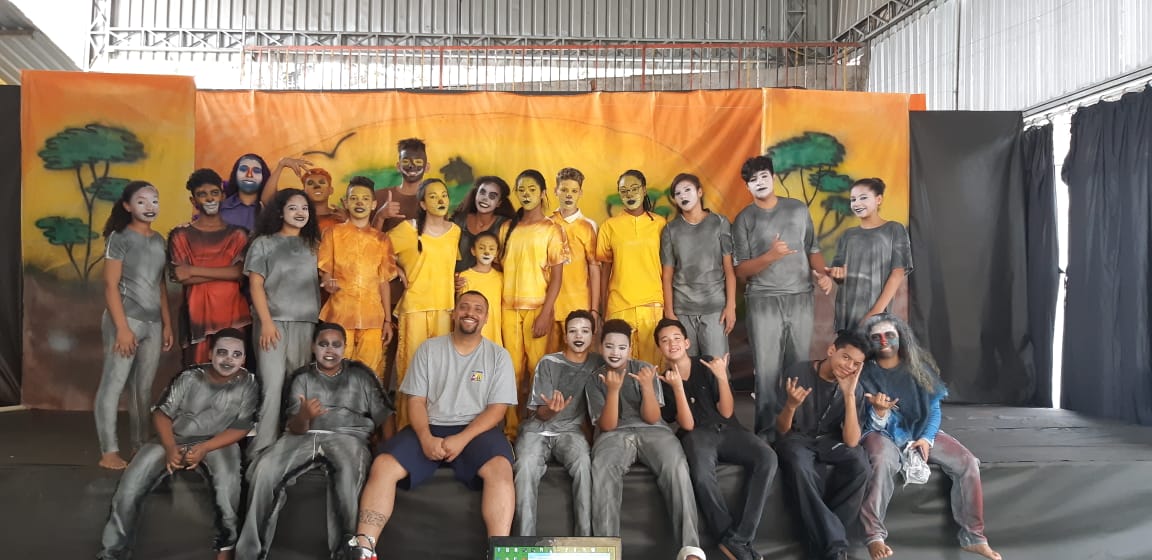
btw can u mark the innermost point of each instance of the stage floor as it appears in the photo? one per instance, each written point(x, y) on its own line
point(1057, 484)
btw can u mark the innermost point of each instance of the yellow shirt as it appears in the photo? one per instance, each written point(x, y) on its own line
point(581, 234)
point(491, 284)
point(431, 272)
point(632, 245)
point(360, 260)
point(530, 253)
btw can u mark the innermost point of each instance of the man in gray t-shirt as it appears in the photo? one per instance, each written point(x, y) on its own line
point(458, 386)
point(555, 428)
point(776, 253)
point(333, 405)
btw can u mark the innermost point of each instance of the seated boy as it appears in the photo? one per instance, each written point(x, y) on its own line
point(203, 413)
point(818, 421)
point(624, 402)
point(554, 429)
point(334, 404)
point(718, 436)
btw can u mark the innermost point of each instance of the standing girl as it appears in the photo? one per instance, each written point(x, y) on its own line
point(285, 283)
point(487, 208)
point(426, 251)
point(136, 325)
point(871, 259)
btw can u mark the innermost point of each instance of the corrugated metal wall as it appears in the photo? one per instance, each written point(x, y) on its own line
point(617, 20)
point(1011, 55)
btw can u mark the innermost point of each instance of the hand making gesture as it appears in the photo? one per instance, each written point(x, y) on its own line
point(796, 393)
point(718, 367)
point(881, 403)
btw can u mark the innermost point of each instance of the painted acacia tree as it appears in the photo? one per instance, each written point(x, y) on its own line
point(813, 157)
point(88, 153)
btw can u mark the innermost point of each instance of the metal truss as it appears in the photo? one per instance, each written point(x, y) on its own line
point(880, 19)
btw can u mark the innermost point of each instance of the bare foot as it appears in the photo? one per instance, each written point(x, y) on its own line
point(983, 550)
point(877, 550)
point(113, 460)
point(224, 555)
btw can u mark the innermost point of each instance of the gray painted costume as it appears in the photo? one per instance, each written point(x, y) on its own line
point(654, 445)
point(337, 441)
point(561, 437)
point(696, 253)
point(292, 284)
point(199, 410)
point(143, 260)
point(869, 256)
point(779, 298)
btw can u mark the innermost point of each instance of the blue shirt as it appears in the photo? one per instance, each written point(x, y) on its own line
point(235, 212)
point(916, 416)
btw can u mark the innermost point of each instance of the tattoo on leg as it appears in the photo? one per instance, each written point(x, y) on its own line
point(373, 518)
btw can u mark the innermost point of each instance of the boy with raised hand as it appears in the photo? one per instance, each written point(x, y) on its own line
point(554, 428)
point(818, 422)
point(334, 405)
point(201, 416)
point(624, 403)
point(356, 264)
point(717, 436)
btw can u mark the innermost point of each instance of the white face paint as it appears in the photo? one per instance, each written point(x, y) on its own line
point(206, 199)
point(144, 205)
point(865, 203)
point(762, 185)
point(296, 212)
point(616, 349)
point(885, 339)
point(228, 356)
point(578, 335)
point(686, 195)
point(328, 348)
point(487, 198)
point(249, 175)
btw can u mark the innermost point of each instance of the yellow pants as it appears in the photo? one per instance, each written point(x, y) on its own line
point(365, 345)
point(525, 350)
point(415, 328)
point(643, 320)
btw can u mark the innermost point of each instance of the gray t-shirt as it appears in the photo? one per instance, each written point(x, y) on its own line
point(554, 372)
point(629, 398)
point(753, 233)
point(200, 409)
point(354, 399)
point(291, 278)
point(459, 387)
point(869, 255)
point(696, 253)
point(143, 259)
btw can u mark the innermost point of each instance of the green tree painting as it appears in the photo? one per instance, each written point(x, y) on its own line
point(88, 153)
point(812, 159)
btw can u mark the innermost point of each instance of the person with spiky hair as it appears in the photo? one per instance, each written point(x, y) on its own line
point(904, 391)
point(581, 288)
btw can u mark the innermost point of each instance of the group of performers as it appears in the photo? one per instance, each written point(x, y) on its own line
point(505, 324)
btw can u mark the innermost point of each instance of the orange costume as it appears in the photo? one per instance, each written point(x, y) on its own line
point(630, 245)
point(580, 232)
point(215, 305)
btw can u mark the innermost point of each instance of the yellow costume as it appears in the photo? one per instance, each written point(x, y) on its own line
point(630, 245)
point(491, 284)
point(361, 261)
point(580, 232)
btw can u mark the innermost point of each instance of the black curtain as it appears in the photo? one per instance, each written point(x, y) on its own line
point(11, 285)
point(969, 300)
point(1043, 254)
point(1107, 366)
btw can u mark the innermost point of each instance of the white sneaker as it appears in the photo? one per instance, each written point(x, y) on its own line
point(691, 553)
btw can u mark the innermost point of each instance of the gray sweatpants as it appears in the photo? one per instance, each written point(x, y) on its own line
point(613, 454)
point(294, 350)
point(706, 334)
point(780, 331)
point(533, 451)
point(137, 372)
point(346, 458)
point(221, 468)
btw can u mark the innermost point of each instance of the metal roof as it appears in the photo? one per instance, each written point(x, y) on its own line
point(24, 47)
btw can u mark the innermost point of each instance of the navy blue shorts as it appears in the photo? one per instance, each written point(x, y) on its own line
point(405, 448)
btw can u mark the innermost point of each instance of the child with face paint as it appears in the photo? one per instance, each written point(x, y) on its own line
point(581, 289)
point(356, 265)
point(775, 251)
point(282, 272)
point(245, 192)
point(207, 257)
point(904, 392)
point(396, 204)
point(484, 278)
point(201, 416)
point(426, 251)
point(533, 258)
point(624, 402)
point(628, 246)
point(487, 208)
point(335, 405)
point(555, 427)
point(317, 183)
point(872, 259)
point(136, 326)
point(698, 279)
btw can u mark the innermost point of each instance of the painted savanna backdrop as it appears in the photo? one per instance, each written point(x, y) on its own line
point(823, 141)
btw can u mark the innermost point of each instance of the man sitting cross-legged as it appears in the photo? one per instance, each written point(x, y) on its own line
point(459, 387)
